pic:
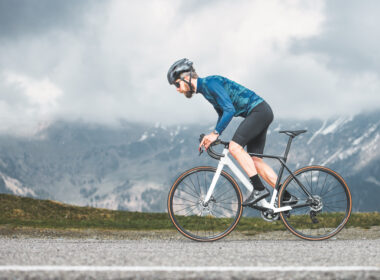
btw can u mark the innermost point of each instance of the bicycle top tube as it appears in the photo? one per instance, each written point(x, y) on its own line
point(217, 156)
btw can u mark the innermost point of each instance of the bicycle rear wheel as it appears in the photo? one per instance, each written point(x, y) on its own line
point(330, 210)
point(197, 220)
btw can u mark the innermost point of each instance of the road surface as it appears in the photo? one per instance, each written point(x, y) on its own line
point(66, 258)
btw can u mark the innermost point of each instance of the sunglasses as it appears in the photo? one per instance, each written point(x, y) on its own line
point(176, 84)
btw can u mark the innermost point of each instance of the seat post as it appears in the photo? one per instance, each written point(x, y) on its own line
point(288, 147)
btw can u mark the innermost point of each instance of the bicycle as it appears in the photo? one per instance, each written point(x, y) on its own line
point(205, 203)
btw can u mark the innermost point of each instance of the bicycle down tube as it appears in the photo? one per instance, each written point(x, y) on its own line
point(225, 160)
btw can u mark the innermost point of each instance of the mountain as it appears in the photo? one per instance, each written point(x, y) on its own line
point(132, 166)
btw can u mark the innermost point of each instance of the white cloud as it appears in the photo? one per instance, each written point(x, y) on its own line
point(139, 43)
point(42, 93)
point(30, 103)
point(114, 66)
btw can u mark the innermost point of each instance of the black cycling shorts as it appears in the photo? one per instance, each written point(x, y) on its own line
point(252, 131)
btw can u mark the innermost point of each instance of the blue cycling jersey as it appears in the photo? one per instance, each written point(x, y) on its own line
point(228, 98)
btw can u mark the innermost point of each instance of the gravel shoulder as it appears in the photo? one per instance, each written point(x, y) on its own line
point(28, 232)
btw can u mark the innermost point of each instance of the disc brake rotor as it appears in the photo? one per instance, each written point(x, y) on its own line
point(317, 204)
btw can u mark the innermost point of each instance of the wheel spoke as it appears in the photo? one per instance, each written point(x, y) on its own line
point(186, 199)
point(220, 187)
point(324, 184)
point(225, 199)
point(329, 190)
point(224, 216)
point(192, 188)
point(332, 195)
point(334, 200)
point(200, 191)
point(298, 189)
point(179, 204)
point(333, 207)
point(311, 180)
point(189, 211)
point(319, 173)
point(306, 179)
point(189, 194)
point(199, 185)
point(184, 209)
point(209, 221)
point(229, 209)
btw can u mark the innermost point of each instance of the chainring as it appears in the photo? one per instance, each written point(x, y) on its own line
point(268, 216)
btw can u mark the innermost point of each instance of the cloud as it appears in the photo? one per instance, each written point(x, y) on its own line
point(40, 93)
point(108, 60)
point(347, 57)
point(348, 40)
point(30, 18)
point(26, 103)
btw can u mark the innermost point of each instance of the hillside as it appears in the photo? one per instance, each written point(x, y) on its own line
point(132, 166)
point(18, 212)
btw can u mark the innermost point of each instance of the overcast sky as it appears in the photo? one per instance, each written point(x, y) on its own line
point(103, 61)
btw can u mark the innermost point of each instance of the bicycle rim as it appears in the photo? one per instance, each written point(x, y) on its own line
point(332, 203)
point(192, 217)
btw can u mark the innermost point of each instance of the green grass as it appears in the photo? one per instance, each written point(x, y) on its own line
point(16, 211)
point(23, 211)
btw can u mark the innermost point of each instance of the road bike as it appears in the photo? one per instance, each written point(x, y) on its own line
point(205, 203)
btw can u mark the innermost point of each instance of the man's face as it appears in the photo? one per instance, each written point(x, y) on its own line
point(183, 87)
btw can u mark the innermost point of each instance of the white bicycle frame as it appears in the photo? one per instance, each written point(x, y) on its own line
point(225, 160)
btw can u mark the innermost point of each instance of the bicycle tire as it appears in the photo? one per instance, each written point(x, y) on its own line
point(332, 208)
point(196, 181)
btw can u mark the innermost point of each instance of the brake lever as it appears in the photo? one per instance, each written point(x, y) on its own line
point(200, 140)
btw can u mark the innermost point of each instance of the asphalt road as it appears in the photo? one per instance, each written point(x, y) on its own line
point(27, 258)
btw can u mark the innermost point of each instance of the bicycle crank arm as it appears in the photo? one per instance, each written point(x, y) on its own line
point(264, 204)
point(282, 209)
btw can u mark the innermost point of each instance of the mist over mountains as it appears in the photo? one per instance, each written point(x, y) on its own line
point(132, 166)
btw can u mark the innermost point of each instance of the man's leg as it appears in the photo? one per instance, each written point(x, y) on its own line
point(243, 158)
point(253, 126)
point(265, 171)
point(246, 162)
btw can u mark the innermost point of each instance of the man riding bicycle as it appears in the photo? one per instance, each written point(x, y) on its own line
point(231, 99)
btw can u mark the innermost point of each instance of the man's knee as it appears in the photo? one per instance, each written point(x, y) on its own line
point(235, 148)
point(257, 160)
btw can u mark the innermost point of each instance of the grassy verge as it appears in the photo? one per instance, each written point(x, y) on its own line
point(18, 211)
point(22, 211)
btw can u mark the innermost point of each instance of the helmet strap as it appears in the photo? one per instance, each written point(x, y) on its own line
point(189, 83)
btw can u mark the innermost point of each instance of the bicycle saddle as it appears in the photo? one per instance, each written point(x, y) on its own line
point(292, 133)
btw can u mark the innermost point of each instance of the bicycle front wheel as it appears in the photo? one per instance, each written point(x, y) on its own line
point(328, 209)
point(202, 221)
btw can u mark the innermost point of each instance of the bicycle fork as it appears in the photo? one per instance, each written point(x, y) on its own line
point(225, 160)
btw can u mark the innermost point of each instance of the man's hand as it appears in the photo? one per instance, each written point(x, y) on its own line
point(208, 139)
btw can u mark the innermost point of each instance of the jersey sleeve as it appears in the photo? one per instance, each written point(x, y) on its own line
point(220, 114)
point(224, 101)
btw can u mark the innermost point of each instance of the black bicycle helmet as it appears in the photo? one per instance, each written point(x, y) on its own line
point(181, 66)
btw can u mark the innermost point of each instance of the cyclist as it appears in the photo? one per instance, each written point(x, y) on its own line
point(231, 99)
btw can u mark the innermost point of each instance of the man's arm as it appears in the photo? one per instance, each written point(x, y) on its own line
point(220, 114)
point(224, 101)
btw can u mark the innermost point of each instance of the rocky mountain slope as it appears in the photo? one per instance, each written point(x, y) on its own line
point(132, 166)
